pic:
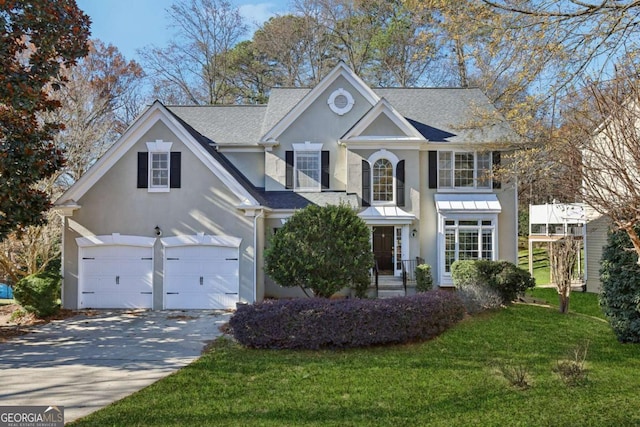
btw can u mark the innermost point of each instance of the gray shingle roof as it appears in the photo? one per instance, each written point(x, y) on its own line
point(448, 114)
point(439, 114)
point(224, 124)
point(292, 200)
point(281, 101)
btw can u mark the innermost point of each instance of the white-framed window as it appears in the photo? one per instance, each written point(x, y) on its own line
point(468, 239)
point(307, 163)
point(464, 169)
point(159, 165)
point(159, 170)
point(383, 177)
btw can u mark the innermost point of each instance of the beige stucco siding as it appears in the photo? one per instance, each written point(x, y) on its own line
point(508, 224)
point(382, 126)
point(317, 124)
point(203, 204)
point(251, 164)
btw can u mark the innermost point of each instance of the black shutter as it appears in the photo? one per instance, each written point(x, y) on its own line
point(433, 169)
point(325, 170)
point(143, 170)
point(496, 165)
point(174, 164)
point(400, 183)
point(289, 172)
point(366, 183)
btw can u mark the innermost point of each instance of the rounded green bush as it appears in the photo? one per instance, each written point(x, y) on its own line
point(504, 277)
point(325, 249)
point(39, 294)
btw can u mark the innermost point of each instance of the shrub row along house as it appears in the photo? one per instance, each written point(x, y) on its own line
point(179, 210)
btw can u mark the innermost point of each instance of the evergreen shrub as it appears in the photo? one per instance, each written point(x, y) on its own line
point(505, 278)
point(424, 280)
point(39, 294)
point(314, 323)
point(620, 296)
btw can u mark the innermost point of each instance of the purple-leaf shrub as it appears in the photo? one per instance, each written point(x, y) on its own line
point(322, 323)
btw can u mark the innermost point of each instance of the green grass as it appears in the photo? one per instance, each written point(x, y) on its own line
point(579, 302)
point(453, 380)
point(540, 264)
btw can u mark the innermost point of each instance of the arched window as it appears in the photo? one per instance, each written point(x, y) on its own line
point(382, 181)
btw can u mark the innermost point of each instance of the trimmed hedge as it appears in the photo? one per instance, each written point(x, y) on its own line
point(316, 323)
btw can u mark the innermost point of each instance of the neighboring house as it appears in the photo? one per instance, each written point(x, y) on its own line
point(553, 222)
point(179, 210)
point(597, 231)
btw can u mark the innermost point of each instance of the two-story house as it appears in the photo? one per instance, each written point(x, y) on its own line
point(179, 210)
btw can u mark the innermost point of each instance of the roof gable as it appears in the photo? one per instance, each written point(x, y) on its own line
point(157, 112)
point(383, 116)
point(341, 70)
point(452, 115)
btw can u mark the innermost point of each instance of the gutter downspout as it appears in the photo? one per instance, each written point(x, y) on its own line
point(255, 253)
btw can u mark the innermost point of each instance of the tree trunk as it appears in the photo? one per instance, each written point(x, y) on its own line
point(564, 303)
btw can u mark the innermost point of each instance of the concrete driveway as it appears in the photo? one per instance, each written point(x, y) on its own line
point(88, 361)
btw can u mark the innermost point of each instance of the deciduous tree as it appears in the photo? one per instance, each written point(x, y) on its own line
point(563, 257)
point(194, 68)
point(606, 129)
point(99, 101)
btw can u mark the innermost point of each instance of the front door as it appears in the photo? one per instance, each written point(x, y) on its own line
point(383, 248)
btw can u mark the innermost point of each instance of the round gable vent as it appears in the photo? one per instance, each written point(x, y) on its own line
point(340, 101)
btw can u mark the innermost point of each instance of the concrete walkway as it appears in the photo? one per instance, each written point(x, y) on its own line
point(91, 360)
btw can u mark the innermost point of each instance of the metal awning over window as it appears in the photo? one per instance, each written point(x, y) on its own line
point(467, 203)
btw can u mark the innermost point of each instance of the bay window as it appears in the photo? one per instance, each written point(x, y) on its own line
point(468, 239)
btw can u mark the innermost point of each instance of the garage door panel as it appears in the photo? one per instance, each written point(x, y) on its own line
point(116, 276)
point(192, 300)
point(201, 277)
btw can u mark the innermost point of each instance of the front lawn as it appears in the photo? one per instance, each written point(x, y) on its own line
point(453, 380)
point(579, 302)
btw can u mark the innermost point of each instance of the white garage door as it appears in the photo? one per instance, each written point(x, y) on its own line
point(201, 277)
point(116, 276)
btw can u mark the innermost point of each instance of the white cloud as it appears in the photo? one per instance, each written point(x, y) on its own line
point(257, 13)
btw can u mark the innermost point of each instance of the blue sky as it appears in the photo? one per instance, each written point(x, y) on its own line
point(133, 24)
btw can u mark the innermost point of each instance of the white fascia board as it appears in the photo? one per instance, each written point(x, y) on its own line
point(340, 70)
point(157, 112)
point(389, 144)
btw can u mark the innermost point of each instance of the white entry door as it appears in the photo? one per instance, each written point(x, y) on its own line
point(201, 277)
point(116, 276)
